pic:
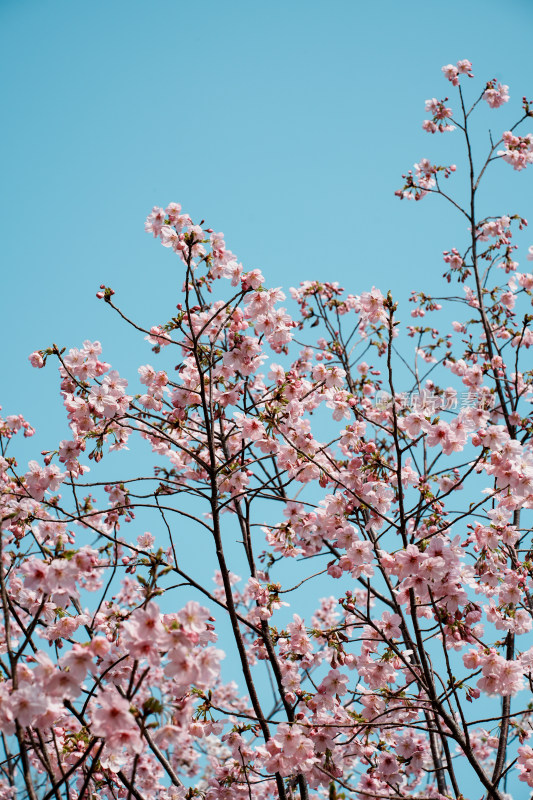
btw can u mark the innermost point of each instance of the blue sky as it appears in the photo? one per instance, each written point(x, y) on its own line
point(285, 125)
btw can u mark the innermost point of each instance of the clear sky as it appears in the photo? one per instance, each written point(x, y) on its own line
point(286, 125)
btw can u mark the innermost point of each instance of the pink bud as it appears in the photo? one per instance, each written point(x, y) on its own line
point(36, 360)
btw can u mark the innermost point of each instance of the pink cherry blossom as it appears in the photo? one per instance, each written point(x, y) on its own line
point(378, 641)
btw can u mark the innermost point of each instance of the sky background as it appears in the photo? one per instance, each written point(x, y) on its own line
point(286, 125)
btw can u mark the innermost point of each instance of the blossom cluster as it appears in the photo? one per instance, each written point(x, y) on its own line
point(281, 448)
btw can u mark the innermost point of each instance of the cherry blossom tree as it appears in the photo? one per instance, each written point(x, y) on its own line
point(364, 490)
